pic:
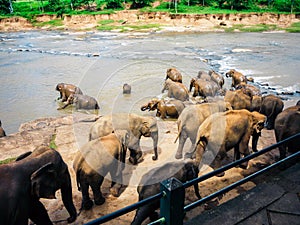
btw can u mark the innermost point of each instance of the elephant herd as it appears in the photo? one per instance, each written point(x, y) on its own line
point(225, 120)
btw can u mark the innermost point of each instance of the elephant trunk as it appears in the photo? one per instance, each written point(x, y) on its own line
point(66, 193)
point(197, 192)
point(154, 136)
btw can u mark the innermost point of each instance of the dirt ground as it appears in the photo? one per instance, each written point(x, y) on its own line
point(71, 134)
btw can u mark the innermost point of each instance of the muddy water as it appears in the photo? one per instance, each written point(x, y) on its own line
point(32, 63)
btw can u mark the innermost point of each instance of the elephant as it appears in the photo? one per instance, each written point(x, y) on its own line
point(34, 175)
point(286, 125)
point(81, 102)
point(150, 185)
point(223, 131)
point(237, 77)
point(126, 89)
point(2, 132)
point(203, 75)
point(238, 99)
point(66, 90)
point(95, 160)
point(271, 106)
point(171, 107)
point(176, 90)
point(217, 78)
point(174, 75)
point(255, 91)
point(191, 118)
point(203, 87)
point(136, 125)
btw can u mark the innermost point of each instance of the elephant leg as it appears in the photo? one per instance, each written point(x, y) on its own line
point(200, 148)
point(135, 155)
point(237, 154)
point(96, 188)
point(245, 151)
point(255, 137)
point(182, 140)
point(143, 213)
point(117, 180)
point(217, 163)
point(191, 154)
point(38, 214)
point(86, 203)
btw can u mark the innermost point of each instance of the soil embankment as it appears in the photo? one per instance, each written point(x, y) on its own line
point(166, 21)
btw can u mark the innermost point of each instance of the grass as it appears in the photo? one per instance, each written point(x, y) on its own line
point(250, 28)
point(109, 25)
point(294, 28)
point(51, 23)
point(52, 142)
point(8, 160)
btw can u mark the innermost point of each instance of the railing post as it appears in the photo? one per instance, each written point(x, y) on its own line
point(172, 203)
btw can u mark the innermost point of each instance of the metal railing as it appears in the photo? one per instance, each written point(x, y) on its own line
point(174, 215)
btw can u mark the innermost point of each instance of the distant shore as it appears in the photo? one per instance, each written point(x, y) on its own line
point(134, 20)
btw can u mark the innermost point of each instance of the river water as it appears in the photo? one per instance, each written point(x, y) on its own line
point(32, 63)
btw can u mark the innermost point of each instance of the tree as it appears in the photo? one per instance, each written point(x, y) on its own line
point(6, 7)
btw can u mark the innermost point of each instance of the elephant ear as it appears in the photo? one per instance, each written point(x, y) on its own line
point(123, 136)
point(145, 129)
point(258, 121)
point(43, 182)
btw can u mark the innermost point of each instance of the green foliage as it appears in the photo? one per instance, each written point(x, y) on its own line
point(137, 4)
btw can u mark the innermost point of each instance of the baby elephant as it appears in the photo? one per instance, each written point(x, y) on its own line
point(126, 89)
point(97, 158)
point(2, 132)
point(150, 185)
point(171, 107)
point(81, 102)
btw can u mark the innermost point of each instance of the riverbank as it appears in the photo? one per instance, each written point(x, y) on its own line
point(134, 20)
point(70, 132)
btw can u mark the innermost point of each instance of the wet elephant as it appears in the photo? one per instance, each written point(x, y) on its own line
point(176, 90)
point(221, 132)
point(287, 124)
point(2, 132)
point(136, 125)
point(150, 185)
point(191, 118)
point(271, 106)
point(238, 99)
point(95, 160)
point(126, 89)
point(81, 102)
point(66, 90)
point(204, 75)
point(165, 107)
point(237, 77)
point(34, 175)
point(217, 78)
point(254, 91)
point(174, 75)
point(203, 87)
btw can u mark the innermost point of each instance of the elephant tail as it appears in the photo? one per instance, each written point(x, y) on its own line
point(78, 179)
point(179, 130)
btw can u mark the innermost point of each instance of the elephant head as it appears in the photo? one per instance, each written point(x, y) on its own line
point(230, 73)
point(167, 84)
point(192, 83)
point(48, 174)
point(258, 121)
point(151, 105)
point(191, 172)
point(174, 75)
